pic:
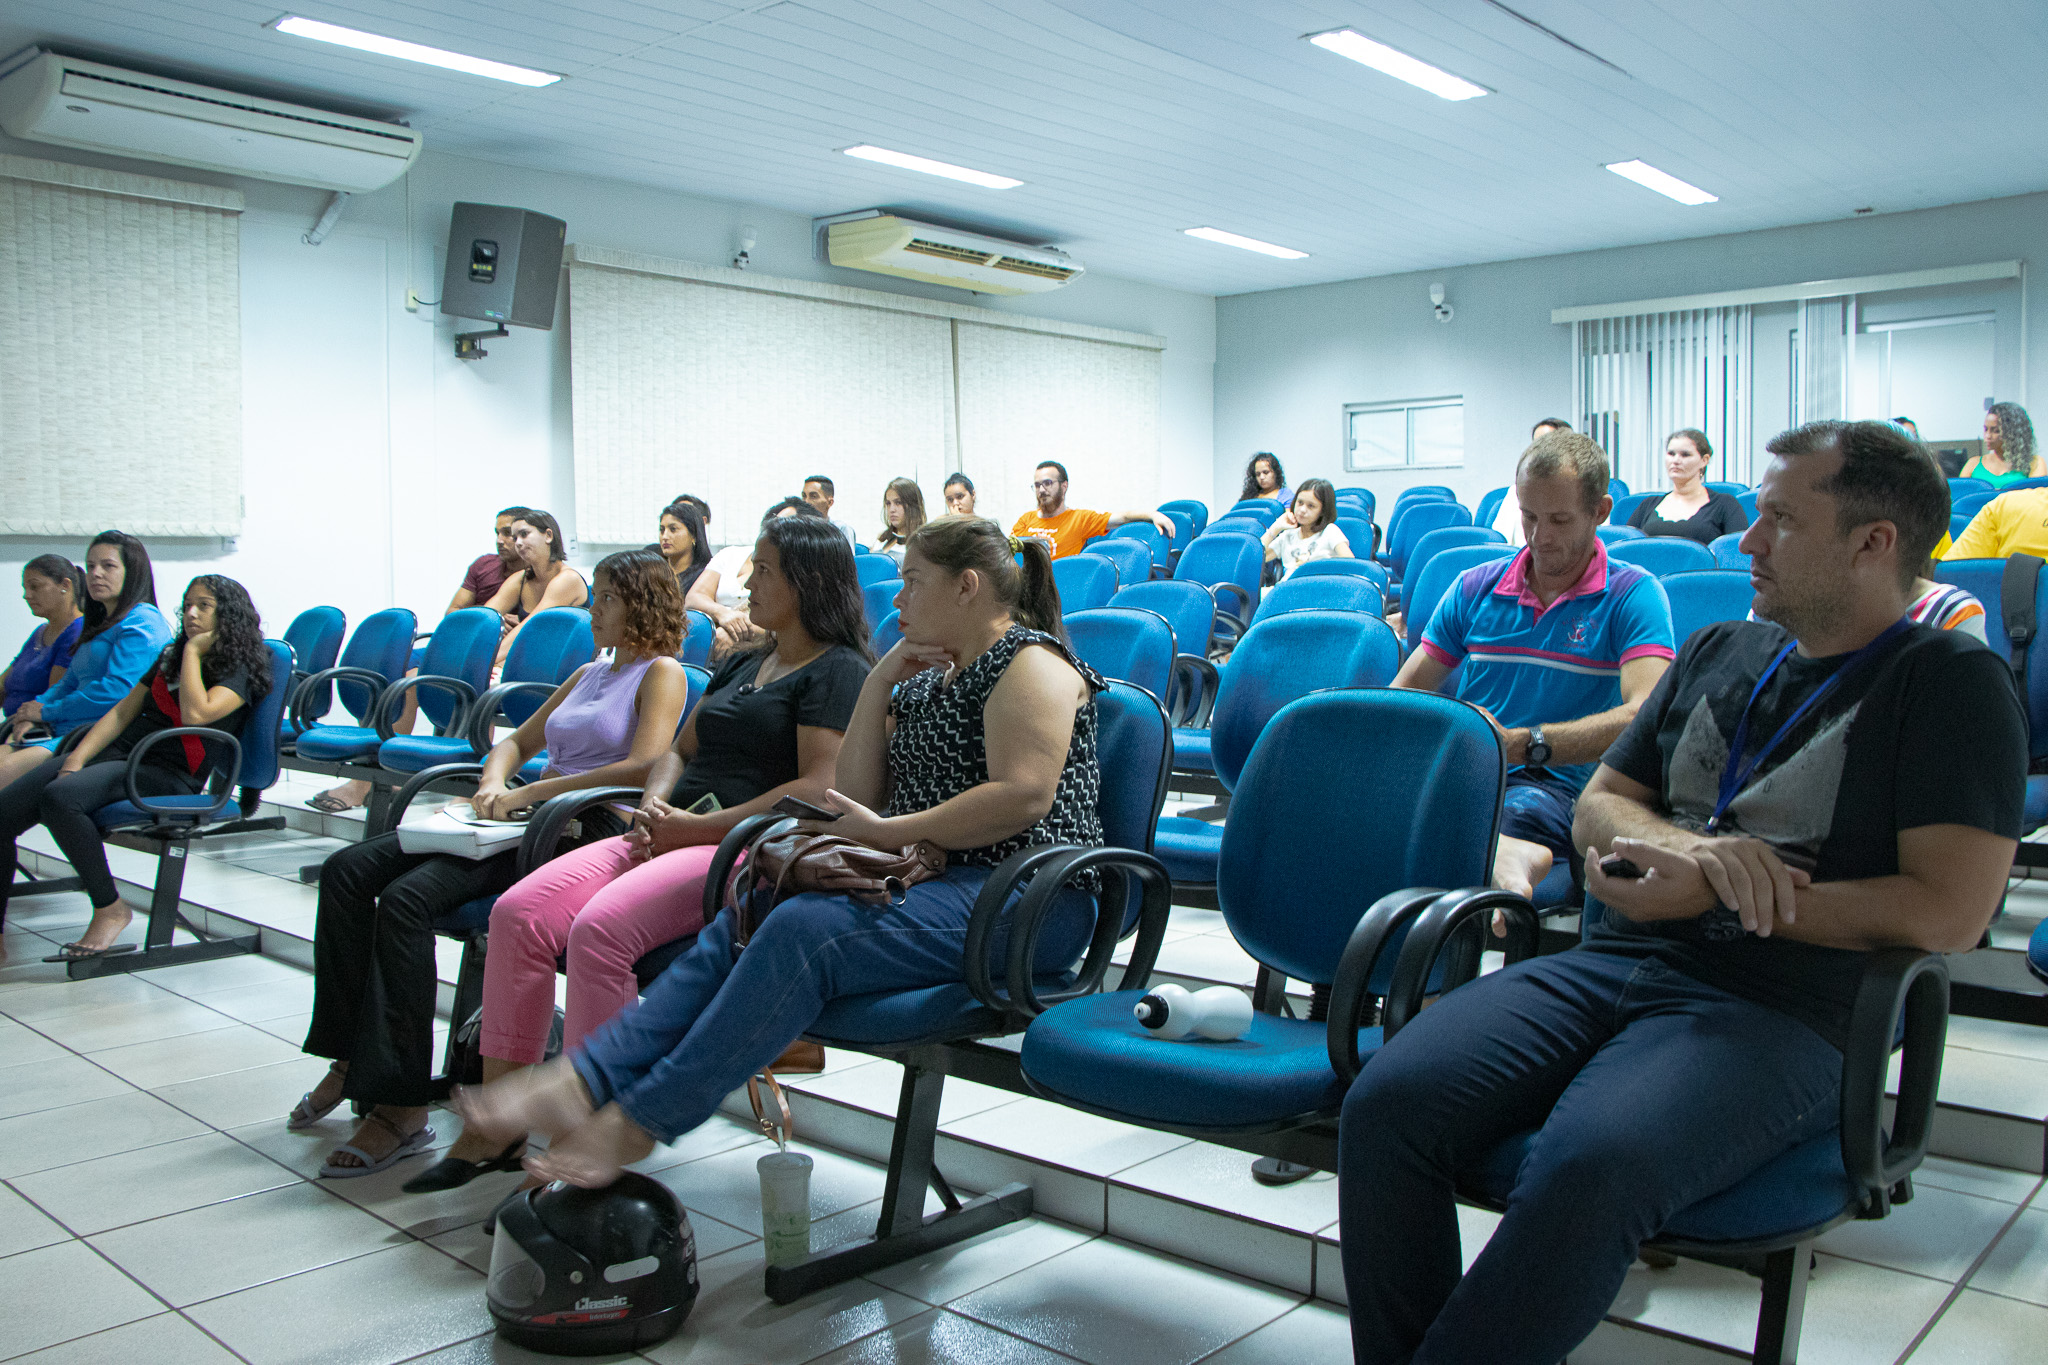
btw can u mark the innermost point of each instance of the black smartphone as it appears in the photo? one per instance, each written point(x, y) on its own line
point(1614, 865)
point(802, 810)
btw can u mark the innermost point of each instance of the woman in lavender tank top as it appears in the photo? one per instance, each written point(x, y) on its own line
point(373, 942)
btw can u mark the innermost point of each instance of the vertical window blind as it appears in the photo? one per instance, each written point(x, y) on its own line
point(1639, 378)
point(120, 353)
point(733, 386)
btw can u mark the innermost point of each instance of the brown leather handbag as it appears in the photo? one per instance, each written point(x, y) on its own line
point(796, 861)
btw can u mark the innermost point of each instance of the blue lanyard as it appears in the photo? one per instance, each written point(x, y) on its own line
point(1736, 774)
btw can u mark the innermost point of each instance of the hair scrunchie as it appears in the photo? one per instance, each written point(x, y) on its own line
point(1016, 546)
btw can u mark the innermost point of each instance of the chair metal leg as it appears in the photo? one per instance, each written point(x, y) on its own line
point(40, 886)
point(904, 1232)
point(1784, 1307)
point(469, 998)
point(164, 919)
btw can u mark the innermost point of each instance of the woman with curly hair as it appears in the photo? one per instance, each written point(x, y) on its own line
point(769, 726)
point(2009, 452)
point(1264, 478)
point(373, 940)
point(902, 514)
point(209, 675)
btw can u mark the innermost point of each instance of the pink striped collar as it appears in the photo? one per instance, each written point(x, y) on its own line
point(1515, 582)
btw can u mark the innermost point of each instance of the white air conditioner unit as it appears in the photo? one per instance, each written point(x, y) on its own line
point(908, 249)
point(50, 98)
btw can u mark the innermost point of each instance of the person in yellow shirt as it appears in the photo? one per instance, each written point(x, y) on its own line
point(2010, 524)
point(1066, 529)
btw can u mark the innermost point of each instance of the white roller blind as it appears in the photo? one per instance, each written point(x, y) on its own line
point(120, 353)
point(1642, 377)
point(1029, 396)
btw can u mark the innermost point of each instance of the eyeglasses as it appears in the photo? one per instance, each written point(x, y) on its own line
point(1045, 483)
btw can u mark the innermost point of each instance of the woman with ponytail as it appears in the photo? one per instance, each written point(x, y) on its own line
point(976, 733)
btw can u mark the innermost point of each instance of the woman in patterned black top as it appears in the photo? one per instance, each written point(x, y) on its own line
point(987, 746)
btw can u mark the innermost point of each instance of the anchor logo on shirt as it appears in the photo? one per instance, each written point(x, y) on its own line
point(1578, 635)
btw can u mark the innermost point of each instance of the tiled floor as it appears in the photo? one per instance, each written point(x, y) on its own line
point(153, 1206)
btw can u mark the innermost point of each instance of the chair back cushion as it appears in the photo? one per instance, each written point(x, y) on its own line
point(1187, 607)
point(1194, 507)
point(1265, 511)
point(1625, 507)
point(1222, 557)
point(887, 633)
point(1663, 555)
point(1423, 591)
point(1610, 534)
point(1984, 580)
point(1357, 565)
point(1085, 581)
point(463, 646)
point(1290, 656)
point(699, 635)
point(260, 732)
point(553, 645)
point(1130, 644)
point(383, 645)
point(314, 638)
point(1147, 535)
point(1727, 551)
point(1330, 592)
point(1349, 795)
point(1357, 533)
point(1418, 521)
point(879, 599)
point(1436, 542)
point(1133, 561)
point(1701, 599)
point(877, 568)
point(695, 680)
point(1489, 505)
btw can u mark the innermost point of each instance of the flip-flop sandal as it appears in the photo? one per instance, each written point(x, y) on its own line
point(78, 952)
point(411, 1144)
point(304, 1115)
point(329, 805)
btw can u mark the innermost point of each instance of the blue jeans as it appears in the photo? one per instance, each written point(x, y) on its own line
point(1652, 1091)
point(712, 1020)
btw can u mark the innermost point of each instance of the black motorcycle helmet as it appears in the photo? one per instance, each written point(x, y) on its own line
point(579, 1272)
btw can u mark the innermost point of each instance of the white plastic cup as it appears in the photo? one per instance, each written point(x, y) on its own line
point(785, 1206)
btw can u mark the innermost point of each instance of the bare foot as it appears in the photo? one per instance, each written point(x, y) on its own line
point(379, 1134)
point(1518, 866)
point(107, 923)
point(348, 794)
point(594, 1154)
point(327, 1094)
point(550, 1099)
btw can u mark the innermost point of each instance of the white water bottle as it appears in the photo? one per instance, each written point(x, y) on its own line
point(1219, 1012)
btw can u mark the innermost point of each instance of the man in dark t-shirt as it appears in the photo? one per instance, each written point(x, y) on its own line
point(1796, 792)
point(487, 573)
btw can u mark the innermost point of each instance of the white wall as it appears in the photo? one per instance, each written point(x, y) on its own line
point(1288, 360)
point(373, 459)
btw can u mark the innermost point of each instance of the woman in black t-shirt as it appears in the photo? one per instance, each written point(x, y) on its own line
point(209, 675)
point(1690, 509)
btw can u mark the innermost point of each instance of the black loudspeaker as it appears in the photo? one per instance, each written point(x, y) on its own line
point(504, 264)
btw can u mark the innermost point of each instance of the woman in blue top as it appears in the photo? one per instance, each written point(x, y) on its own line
point(54, 589)
point(124, 632)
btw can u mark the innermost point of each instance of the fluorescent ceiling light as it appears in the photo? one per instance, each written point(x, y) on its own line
point(907, 162)
point(1209, 234)
point(1670, 186)
point(412, 52)
point(1402, 67)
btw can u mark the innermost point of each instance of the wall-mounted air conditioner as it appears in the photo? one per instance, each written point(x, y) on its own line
point(45, 97)
point(891, 245)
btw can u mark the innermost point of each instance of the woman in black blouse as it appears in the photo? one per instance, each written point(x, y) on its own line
point(976, 733)
point(211, 674)
point(1690, 509)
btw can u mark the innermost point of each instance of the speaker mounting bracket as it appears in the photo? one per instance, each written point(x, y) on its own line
point(466, 343)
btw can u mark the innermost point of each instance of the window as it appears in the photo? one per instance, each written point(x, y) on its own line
point(1419, 433)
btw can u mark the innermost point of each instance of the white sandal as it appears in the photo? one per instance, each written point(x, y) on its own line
point(409, 1144)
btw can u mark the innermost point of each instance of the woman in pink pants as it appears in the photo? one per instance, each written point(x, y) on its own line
point(770, 725)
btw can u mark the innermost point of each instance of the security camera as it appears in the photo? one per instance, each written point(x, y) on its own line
point(745, 257)
point(1437, 304)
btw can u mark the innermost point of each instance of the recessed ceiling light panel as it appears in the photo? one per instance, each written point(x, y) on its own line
point(1209, 234)
point(905, 161)
point(411, 52)
point(1670, 186)
point(1350, 43)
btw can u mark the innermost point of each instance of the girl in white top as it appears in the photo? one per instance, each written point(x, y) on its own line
point(1307, 530)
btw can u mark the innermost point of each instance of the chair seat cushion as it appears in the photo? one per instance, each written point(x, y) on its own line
point(122, 813)
point(338, 743)
point(1191, 849)
point(2036, 813)
point(1557, 889)
point(1191, 752)
point(1802, 1189)
point(417, 753)
point(1091, 1052)
point(2037, 951)
point(879, 1017)
point(471, 917)
point(531, 770)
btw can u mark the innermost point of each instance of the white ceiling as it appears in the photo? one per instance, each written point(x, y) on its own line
point(1129, 120)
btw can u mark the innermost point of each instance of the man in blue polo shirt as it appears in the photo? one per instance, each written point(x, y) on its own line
point(1559, 646)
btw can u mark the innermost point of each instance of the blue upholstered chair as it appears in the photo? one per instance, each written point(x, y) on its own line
point(1727, 551)
point(1968, 504)
point(875, 568)
point(1325, 592)
point(1415, 522)
point(1237, 526)
point(1490, 501)
point(555, 643)
point(1617, 487)
point(1357, 565)
point(1229, 567)
point(1441, 539)
point(1610, 534)
point(1425, 820)
point(1265, 511)
point(700, 633)
point(1663, 555)
point(879, 599)
point(1196, 509)
point(1129, 644)
point(1085, 581)
point(886, 634)
point(1961, 487)
point(1723, 486)
point(1278, 660)
point(1358, 534)
point(1133, 561)
point(1747, 497)
point(314, 638)
point(1701, 599)
point(169, 825)
point(1958, 522)
point(1421, 595)
point(1407, 497)
point(1146, 534)
point(376, 654)
point(1190, 610)
point(1365, 495)
point(456, 668)
point(2037, 951)
point(1183, 529)
point(1984, 580)
point(1624, 508)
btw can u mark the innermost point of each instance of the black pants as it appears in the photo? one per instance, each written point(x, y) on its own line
point(373, 957)
point(66, 804)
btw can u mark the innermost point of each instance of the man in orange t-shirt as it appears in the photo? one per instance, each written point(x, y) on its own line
point(1066, 529)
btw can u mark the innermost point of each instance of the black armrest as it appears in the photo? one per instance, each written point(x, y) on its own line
point(1046, 871)
point(387, 705)
point(1898, 984)
point(1195, 682)
point(419, 782)
point(986, 916)
point(1433, 931)
point(737, 841)
point(485, 710)
point(376, 683)
point(1242, 614)
point(547, 826)
point(1382, 929)
point(221, 799)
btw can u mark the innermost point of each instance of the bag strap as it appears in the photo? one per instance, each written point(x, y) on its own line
point(2016, 605)
point(782, 1121)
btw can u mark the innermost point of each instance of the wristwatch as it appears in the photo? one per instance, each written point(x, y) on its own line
point(1538, 752)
